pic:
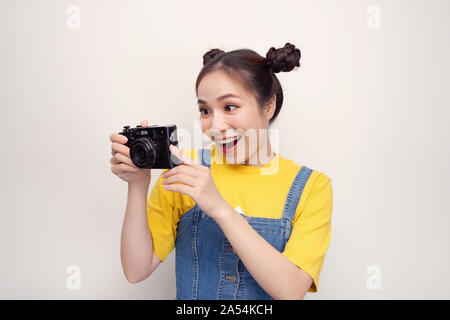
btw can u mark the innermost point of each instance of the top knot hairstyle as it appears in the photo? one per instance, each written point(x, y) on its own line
point(256, 73)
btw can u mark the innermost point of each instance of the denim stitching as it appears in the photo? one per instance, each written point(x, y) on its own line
point(194, 254)
point(185, 220)
point(221, 281)
point(237, 280)
point(288, 230)
point(295, 192)
point(292, 190)
point(294, 196)
point(262, 220)
point(241, 283)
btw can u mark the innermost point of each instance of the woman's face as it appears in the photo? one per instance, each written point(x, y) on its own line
point(228, 111)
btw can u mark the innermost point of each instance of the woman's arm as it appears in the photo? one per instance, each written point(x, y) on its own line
point(273, 271)
point(136, 246)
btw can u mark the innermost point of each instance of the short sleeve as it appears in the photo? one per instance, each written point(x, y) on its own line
point(162, 220)
point(311, 231)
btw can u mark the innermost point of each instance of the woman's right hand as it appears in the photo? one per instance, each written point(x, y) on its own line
point(121, 164)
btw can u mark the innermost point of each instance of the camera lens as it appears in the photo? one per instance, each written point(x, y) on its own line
point(143, 153)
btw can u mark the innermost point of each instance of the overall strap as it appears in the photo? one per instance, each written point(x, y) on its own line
point(204, 156)
point(295, 193)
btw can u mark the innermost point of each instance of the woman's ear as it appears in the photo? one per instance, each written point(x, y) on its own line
point(269, 109)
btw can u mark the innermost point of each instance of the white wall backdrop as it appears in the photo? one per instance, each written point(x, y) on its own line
point(369, 107)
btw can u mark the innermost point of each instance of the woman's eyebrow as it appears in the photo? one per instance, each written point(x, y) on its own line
point(228, 95)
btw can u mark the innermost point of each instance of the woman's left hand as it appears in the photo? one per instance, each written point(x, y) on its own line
point(195, 181)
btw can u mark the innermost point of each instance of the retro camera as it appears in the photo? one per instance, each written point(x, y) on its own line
point(149, 146)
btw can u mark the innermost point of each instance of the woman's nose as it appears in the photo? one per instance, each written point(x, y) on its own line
point(219, 124)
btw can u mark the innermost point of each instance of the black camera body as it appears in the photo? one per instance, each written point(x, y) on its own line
point(149, 146)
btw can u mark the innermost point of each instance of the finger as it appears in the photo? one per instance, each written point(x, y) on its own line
point(117, 147)
point(117, 137)
point(183, 157)
point(120, 158)
point(123, 168)
point(182, 168)
point(126, 168)
point(181, 178)
point(144, 123)
point(181, 188)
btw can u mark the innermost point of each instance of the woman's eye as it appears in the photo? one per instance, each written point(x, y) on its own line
point(206, 111)
point(230, 105)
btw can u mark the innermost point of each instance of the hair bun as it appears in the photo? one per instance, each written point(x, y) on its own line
point(210, 55)
point(284, 59)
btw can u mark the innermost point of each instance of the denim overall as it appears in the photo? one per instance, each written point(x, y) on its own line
point(206, 265)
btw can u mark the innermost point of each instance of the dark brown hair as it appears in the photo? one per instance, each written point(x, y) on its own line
point(256, 73)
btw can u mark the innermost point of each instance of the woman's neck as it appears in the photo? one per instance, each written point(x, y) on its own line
point(262, 156)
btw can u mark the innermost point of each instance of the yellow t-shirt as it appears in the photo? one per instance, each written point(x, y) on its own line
point(257, 195)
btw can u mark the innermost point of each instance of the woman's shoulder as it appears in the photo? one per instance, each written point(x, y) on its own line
point(317, 177)
point(317, 190)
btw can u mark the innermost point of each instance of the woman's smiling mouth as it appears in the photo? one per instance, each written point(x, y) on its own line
point(229, 145)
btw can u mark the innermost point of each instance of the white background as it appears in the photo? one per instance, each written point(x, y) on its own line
point(368, 107)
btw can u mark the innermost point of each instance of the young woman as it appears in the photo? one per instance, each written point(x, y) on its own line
point(246, 222)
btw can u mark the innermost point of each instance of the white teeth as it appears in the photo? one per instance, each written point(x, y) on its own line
point(227, 141)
